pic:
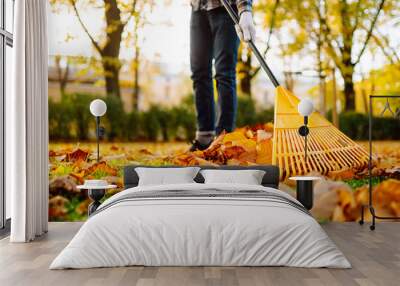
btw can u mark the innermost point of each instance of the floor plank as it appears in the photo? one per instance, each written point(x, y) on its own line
point(375, 257)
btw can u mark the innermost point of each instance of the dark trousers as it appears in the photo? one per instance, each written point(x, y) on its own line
point(213, 36)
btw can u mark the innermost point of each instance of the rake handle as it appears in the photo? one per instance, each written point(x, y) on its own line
point(235, 17)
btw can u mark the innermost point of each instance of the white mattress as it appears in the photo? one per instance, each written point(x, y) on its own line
point(200, 231)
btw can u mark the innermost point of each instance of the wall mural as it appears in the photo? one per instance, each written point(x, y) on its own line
point(139, 64)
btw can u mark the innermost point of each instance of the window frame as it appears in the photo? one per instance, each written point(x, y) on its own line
point(6, 39)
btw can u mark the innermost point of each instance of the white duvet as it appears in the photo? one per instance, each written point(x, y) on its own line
point(200, 231)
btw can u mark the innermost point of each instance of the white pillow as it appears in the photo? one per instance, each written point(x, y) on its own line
point(248, 177)
point(166, 176)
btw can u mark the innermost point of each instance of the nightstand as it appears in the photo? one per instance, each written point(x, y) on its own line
point(304, 189)
point(95, 193)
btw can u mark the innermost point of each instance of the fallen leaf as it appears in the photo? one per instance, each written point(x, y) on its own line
point(145, 152)
point(76, 155)
point(82, 208)
point(57, 207)
point(264, 152)
point(79, 176)
point(53, 153)
point(233, 151)
point(114, 148)
point(233, 136)
point(103, 167)
point(341, 175)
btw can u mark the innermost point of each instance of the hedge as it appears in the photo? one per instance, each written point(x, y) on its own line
point(355, 125)
point(70, 119)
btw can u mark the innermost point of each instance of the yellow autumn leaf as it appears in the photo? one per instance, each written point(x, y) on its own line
point(264, 152)
point(248, 145)
point(233, 136)
point(59, 170)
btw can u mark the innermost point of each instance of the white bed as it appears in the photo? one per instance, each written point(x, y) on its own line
point(202, 231)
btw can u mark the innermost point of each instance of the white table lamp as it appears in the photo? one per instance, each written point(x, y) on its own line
point(305, 108)
point(98, 108)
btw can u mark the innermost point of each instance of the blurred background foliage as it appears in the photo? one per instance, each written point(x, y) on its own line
point(70, 119)
point(337, 52)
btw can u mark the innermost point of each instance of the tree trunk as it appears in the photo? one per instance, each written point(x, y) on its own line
point(322, 85)
point(136, 88)
point(373, 88)
point(322, 94)
point(347, 71)
point(136, 67)
point(110, 51)
point(365, 99)
point(335, 118)
point(364, 93)
point(347, 66)
point(349, 93)
point(244, 70)
point(245, 85)
point(62, 76)
point(111, 73)
point(289, 81)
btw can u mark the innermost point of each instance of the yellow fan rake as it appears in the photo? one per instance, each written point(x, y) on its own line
point(328, 148)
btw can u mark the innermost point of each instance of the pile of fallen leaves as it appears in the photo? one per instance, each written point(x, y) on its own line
point(245, 146)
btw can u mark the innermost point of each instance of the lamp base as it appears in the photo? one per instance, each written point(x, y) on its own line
point(304, 131)
point(95, 195)
point(304, 193)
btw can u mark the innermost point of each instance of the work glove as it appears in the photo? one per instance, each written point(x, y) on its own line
point(246, 30)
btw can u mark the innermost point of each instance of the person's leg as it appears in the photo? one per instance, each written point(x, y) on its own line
point(225, 52)
point(201, 66)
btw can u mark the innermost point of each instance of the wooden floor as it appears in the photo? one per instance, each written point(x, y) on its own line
point(375, 257)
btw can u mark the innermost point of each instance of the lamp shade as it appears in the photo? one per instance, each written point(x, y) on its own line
point(98, 107)
point(305, 107)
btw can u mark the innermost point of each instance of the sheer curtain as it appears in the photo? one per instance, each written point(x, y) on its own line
point(27, 123)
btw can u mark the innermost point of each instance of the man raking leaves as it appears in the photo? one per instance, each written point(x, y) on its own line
point(213, 37)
